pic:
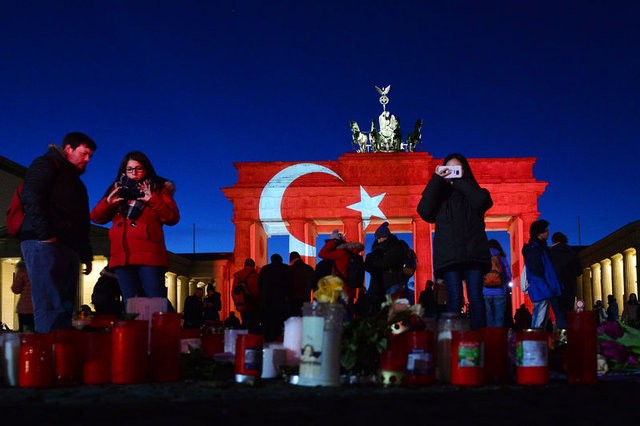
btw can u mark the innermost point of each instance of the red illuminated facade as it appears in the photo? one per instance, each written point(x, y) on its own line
point(359, 191)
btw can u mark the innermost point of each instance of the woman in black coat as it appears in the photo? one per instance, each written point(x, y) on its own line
point(457, 204)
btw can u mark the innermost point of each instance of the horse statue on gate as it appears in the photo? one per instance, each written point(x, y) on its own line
point(359, 139)
point(415, 137)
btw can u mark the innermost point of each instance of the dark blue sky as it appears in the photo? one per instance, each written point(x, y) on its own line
point(198, 85)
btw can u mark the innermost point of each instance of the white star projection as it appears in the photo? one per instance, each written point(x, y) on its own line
point(368, 207)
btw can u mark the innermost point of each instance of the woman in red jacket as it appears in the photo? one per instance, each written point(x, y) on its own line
point(336, 248)
point(139, 203)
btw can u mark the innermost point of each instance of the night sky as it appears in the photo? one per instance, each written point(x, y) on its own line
point(198, 85)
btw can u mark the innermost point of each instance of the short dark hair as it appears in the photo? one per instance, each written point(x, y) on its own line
point(75, 139)
point(537, 228)
point(559, 237)
point(294, 255)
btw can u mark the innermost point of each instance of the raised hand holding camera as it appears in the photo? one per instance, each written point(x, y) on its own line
point(129, 189)
point(449, 172)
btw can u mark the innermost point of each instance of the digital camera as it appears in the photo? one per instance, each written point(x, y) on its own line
point(129, 189)
point(454, 171)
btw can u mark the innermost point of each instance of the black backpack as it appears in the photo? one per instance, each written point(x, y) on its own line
point(410, 262)
point(355, 271)
point(241, 294)
point(323, 268)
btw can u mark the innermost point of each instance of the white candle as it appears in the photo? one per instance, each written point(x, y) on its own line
point(293, 339)
point(230, 336)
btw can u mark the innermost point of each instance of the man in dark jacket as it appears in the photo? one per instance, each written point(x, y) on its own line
point(107, 297)
point(567, 265)
point(212, 304)
point(274, 282)
point(302, 281)
point(384, 265)
point(249, 305)
point(55, 231)
point(193, 309)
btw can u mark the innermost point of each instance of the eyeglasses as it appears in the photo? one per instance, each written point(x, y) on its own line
point(134, 169)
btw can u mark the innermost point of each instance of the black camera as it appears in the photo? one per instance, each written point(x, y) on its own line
point(129, 189)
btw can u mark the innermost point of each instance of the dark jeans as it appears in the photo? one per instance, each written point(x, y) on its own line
point(455, 296)
point(26, 323)
point(54, 271)
point(141, 281)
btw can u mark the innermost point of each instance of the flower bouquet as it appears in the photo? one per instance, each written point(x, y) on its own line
point(618, 347)
point(364, 338)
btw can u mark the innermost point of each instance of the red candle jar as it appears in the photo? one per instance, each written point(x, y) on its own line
point(496, 355)
point(467, 361)
point(97, 364)
point(129, 342)
point(36, 367)
point(532, 357)
point(69, 356)
point(420, 359)
point(103, 321)
point(165, 347)
point(212, 343)
point(248, 361)
point(392, 367)
point(582, 347)
point(190, 339)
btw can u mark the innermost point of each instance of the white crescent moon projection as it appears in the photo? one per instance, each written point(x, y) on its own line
point(271, 202)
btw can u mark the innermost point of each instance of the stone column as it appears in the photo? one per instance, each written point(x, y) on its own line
point(587, 289)
point(596, 282)
point(304, 231)
point(250, 241)
point(353, 230)
point(182, 293)
point(617, 280)
point(422, 232)
point(518, 235)
point(606, 279)
point(172, 288)
point(630, 271)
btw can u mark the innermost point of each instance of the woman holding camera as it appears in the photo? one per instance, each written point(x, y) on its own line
point(455, 202)
point(139, 203)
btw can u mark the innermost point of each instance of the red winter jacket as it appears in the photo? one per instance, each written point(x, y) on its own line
point(338, 251)
point(139, 241)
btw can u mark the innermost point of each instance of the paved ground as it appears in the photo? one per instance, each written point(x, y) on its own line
point(612, 399)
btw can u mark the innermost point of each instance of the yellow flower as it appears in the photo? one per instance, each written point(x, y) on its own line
point(329, 289)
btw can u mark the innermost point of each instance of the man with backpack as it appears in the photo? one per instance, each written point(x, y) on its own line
point(246, 295)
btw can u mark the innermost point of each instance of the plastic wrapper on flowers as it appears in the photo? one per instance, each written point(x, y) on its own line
point(329, 290)
point(618, 347)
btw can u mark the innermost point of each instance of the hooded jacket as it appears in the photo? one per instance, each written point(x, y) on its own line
point(56, 203)
point(458, 210)
point(139, 241)
point(384, 263)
